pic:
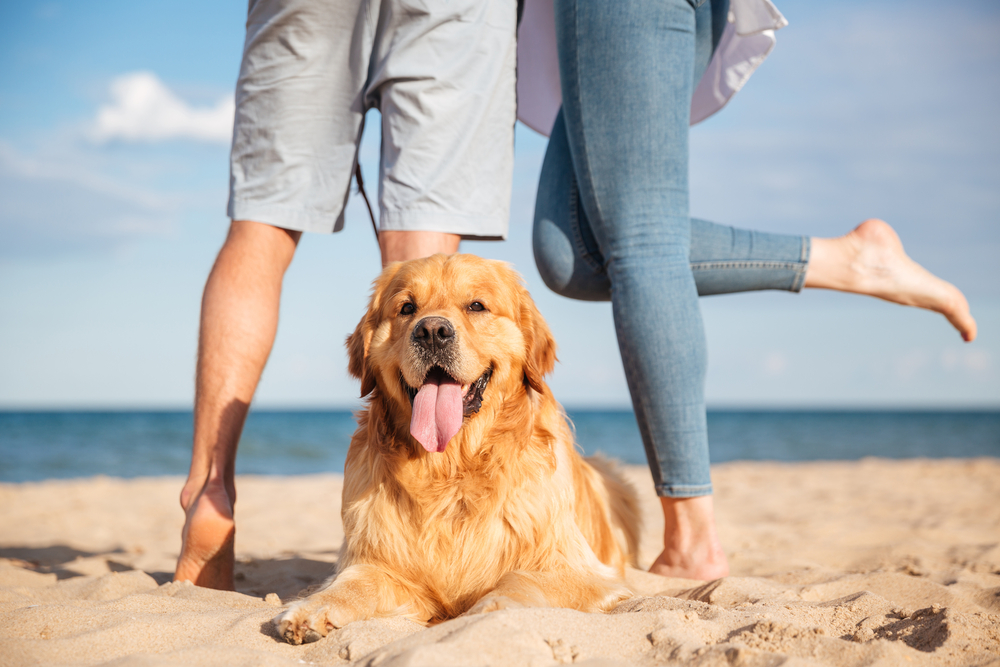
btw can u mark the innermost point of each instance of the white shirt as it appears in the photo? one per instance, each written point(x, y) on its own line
point(746, 41)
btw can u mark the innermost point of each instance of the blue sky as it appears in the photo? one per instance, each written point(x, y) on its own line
point(114, 173)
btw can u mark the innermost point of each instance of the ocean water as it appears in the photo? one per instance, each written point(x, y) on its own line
point(44, 445)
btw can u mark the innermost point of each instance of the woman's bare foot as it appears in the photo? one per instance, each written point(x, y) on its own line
point(691, 547)
point(870, 260)
point(207, 542)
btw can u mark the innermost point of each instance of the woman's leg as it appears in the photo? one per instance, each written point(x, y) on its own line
point(868, 260)
point(584, 260)
point(627, 73)
point(723, 259)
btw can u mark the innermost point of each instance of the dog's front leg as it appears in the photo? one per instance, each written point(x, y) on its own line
point(359, 592)
point(575, 590)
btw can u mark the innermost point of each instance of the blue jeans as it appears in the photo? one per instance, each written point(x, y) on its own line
point(612, 219)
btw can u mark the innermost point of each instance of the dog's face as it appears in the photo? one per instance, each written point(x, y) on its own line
point(445, 335)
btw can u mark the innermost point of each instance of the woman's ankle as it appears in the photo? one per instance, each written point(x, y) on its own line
point(691, 546)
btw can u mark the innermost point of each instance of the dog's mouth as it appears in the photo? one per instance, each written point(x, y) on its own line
point(441, 404)
point(472, 394)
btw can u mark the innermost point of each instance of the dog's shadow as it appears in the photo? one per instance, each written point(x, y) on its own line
point(290, 578)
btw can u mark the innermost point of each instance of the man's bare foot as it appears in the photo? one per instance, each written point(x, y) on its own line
point(691, 547)
point(207, 542)
point(870, 260)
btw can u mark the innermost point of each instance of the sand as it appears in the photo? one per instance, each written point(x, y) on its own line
point(856, 563)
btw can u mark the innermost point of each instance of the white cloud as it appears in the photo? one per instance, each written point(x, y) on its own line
point(71, 168)
point(971, 361)
point(50, 208)
point(775, 363)
point(144, 109)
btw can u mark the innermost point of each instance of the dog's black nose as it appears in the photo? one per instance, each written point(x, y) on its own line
point(433, 333)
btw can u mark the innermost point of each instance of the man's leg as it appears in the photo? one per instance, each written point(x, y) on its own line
point(239, 318)
point(400, 246)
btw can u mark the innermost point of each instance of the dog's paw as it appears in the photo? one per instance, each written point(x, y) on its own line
point(493, 603)
point(615, 596)
point(308, 621)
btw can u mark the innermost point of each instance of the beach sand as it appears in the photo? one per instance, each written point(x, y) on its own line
point(838, 563)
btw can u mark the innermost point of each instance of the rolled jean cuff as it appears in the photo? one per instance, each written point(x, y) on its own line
point(683, 490)
point(803, 266)
point(782, 266)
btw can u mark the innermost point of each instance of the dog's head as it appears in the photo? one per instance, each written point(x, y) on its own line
point(444, 335)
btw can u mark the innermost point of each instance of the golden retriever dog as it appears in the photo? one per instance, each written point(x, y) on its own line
point(463, 489)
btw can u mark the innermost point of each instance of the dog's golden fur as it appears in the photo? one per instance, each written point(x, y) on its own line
point(509, 514)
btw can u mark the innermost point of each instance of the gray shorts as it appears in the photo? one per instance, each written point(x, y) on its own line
point(442, 74)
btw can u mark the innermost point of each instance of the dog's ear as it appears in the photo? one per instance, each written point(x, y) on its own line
point(357, 353)
point(539, 343)
point(359, 341)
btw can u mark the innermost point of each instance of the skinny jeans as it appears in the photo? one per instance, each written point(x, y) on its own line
point(612, 218)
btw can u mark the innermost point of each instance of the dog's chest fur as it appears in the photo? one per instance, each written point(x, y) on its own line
point(451, 520)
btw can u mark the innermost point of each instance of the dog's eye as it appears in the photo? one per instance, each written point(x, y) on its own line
point(476, 306)
point(407, 309)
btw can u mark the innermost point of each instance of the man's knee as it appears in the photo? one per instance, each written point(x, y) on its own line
point(260, 244)
point(259, 232)
point(399, 246)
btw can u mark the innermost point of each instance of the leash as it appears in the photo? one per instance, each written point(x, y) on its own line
point(361, 190)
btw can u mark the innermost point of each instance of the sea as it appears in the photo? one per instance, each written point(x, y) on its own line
point(37, 445)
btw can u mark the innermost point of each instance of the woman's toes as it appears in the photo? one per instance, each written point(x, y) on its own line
point(886, 271)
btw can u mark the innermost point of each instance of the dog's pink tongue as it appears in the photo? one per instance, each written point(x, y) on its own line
point(437, 411)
